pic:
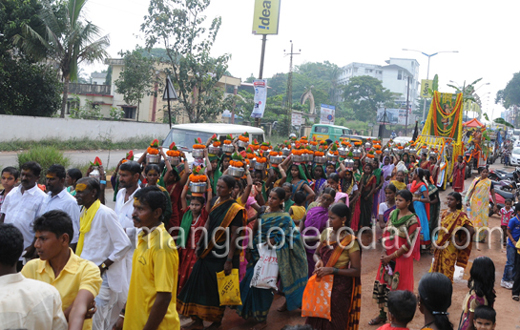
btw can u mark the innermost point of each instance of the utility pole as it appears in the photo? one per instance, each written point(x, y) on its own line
point(407, 107)
point(261, 73)
point(288, 100)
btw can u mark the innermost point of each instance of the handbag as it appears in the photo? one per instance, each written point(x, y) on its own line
point(229, 288)
point(265, 274)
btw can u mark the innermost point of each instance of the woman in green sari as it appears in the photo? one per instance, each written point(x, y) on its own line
point(199, 298)
point(215, 172)
point(292, 262)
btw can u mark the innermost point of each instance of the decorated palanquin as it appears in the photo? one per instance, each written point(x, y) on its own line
point(442, 132)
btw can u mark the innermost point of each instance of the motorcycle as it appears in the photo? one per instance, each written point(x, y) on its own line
point(498, 175)
point(505, 156)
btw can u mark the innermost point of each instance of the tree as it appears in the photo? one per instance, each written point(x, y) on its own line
point(364, 95)
point(136, 79)
point(181, 27)
point(510, 95)
point(66, 40)
point(28, 89)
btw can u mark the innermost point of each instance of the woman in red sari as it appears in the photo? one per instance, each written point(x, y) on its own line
point(458, 174)
point(194, 217)
point(401, 244)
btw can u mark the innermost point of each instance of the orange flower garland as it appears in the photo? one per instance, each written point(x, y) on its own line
point(236, 163)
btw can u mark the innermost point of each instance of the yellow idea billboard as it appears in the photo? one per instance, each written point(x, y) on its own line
point(266, 16)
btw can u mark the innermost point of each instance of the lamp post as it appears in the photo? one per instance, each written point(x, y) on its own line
point(428, 69)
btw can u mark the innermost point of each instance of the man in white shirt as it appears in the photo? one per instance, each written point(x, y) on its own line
point(59, 199)
point(129, 173)
point(103, 241)
point(25, 303)
point(22, 205)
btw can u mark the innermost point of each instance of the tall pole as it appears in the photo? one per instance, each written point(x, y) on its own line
point(428, 70)
point(407, 107)
point(427, 78)
point(288, 100)
point(168, 97)
point(261, 73)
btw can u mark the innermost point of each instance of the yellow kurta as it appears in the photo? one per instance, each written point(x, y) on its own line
point(78, 274)
point(155, 267)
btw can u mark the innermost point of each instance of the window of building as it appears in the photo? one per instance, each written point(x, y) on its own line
point(129, 112)
point(354, 70)
point(400, 75)
point(72, 104)
point(370, 70)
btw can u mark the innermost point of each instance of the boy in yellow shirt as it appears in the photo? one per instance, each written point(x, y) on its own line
point(151, 302)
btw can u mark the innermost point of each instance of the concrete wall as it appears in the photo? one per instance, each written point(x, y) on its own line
point(27, 128)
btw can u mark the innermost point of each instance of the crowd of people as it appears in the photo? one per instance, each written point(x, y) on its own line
point(157, 254)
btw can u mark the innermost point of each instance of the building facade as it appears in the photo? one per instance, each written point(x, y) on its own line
point(152, 108)
point(395, 76)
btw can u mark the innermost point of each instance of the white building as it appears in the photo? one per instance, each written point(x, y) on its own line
point(393, 76)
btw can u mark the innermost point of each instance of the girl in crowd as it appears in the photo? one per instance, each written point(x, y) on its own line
point(174, 185)
point(386, 175)
point(406, 160)
point(194, 218)
point(378, 173)
point(345, 265)
point(291, 261)
point(481, 290)
point(435, 202)
point(477, 199)
point(199, 298)
point(446, 254)
point(401, 246)
point(152, 174)
point(316, 220)
point(413, 163)
point(388, 206)
point(459, 174)
point(421, 204)
point(399, 180)
point(435, 292)
point(319, 179)
point(73, 175)
point(350, 187)
point(299, 181)
point(334, 182)
point(368, 188)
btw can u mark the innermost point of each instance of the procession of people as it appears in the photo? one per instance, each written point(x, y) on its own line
point(239, 225)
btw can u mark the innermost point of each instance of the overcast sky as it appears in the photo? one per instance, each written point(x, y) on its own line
point(343, 31)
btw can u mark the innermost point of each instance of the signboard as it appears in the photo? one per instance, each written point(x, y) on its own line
point(327, 114)
point(425, 85)
point(394, 116)
point(260, 86)
point(169, 91)
point(266, 16)
point(297, 119)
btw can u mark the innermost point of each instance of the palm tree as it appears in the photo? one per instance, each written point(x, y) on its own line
point(67, 41)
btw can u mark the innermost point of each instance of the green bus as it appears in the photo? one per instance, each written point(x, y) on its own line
point(324, 132)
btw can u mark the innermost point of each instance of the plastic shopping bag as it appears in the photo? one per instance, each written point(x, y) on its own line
point(265, 274)
point(316, 297)
point(229, 288)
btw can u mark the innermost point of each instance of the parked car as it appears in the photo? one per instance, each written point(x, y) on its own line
point(514, 159)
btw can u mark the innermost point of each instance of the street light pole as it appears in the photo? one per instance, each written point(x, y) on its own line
point(428, 69)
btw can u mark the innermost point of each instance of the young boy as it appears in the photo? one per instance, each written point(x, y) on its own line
point(9, 178)
point(513, 234)
point(297, 211)
point(401, 310)
point(506, 213)
point(484, 318)
point(516, 284)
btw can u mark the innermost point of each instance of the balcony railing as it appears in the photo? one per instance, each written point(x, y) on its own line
point(84, 89)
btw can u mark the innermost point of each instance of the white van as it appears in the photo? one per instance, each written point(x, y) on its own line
point(184, 135)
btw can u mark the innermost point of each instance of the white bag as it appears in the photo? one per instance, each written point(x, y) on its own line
point(401, 166)
point(265, 275)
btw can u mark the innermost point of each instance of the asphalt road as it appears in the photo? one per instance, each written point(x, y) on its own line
point(108, 158)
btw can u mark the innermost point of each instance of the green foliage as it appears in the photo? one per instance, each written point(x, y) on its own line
point(365, 94)
point(66, 40)
point(510, 95)
point(116, 113)
point(180, 25)
point(45, 156)
point(77, 144)
point(87, 111)
point(136, 79)
point(108, 79)
point(503, 122)
point(28, 89)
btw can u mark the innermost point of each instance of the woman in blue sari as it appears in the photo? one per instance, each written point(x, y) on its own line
point(199, 298)
point(291, 261)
